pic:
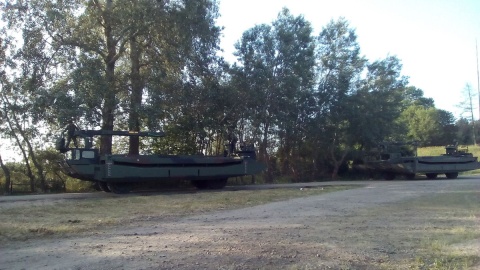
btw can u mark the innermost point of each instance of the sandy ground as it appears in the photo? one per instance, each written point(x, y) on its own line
point(353, 229)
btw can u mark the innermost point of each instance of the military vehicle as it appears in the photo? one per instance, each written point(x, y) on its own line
point(118, 173)
point(395, 159)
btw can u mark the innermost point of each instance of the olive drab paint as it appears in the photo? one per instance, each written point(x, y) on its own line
point(118, 172)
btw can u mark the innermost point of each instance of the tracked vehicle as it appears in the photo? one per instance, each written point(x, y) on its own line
point(118, 173)
point(391, 161)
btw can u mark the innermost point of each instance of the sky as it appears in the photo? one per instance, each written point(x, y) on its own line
point(434, 39)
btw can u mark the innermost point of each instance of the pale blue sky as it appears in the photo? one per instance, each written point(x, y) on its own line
point(435, 39)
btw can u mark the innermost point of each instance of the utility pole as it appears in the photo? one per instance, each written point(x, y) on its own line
point(478, 79)
point(478, 89)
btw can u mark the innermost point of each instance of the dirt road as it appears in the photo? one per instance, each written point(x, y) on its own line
point(355, 229)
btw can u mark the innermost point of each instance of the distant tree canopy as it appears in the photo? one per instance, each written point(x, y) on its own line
point(306, 101)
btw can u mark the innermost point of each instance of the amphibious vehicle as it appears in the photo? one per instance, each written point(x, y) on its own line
point(392, 160)
point(118, 173)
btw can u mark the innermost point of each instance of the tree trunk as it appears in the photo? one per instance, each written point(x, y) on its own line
point(22, 149)
point(31, 153)
point(337, 163)
point(264, 154)
point(135, 96)
point(110, 94)
point(8, 179)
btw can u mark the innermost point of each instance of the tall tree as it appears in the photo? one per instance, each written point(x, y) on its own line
point(340, 65)
point(6, 173)
point(97, 28)
point(378, 103)
point(277, 72)
point(448, 132)
point(467, 106)
point(3, 79)
point(414, 96)
point(183, 89)
point(423, 124)
point(23, 91)
point(256, 53)
point(464, 131)
point(296, 61)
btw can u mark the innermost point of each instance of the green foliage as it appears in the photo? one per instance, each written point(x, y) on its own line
point(378, 103)
point(55, 180)
point(414, 96)
point(305, 101)
point(422, 124)
point(277, 74)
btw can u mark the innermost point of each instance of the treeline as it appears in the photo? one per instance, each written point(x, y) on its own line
point(309, 102)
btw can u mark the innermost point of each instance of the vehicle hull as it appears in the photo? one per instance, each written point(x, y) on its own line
point(424, 165)
point(137, 168)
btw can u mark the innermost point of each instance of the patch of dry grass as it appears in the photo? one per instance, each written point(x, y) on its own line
point(75, 216)
point(449, 232)
point(431, 232)
point(439, 150)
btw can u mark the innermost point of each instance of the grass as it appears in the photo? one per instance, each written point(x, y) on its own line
point(430, 232)
point(76, 216)
point(448, 241)
point(439, 150)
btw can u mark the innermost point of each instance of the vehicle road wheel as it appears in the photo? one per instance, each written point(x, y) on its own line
point(210, 184)
point(200, 184)
point(410, 176)
point(217, 183)
point(451, 175)
point(431, 175)
point(103, 186)
point(389, 176)
point(120, 188)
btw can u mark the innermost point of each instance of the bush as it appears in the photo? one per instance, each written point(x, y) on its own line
point(75, 185)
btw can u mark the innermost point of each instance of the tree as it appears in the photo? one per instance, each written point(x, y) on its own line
point(467, 106)
point(160, 38)
point(256, 53)
point(414, 96)
point(3, 78)
point(184, 88)
point(8, 178)
point(86, 44)
point(441, 132)
point(277, 73)
point(23, 90)
point(296, 60)
point(448, 132)
point(378, 103)
point(340, 65)
point(158, 42)
point(423, 124)
point(464, 131)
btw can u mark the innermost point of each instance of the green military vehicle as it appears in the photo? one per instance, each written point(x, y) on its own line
point(118, 173)
point(394, 159)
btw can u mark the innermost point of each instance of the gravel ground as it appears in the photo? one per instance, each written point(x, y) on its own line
point(354, 229)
